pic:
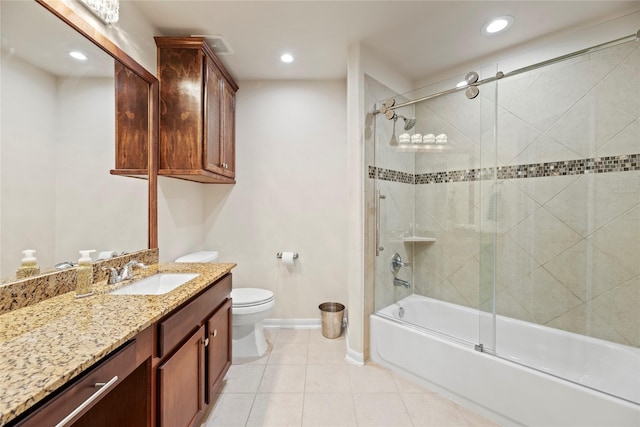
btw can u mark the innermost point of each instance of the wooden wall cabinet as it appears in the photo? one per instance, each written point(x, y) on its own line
point(197, 112)
point(132, 123)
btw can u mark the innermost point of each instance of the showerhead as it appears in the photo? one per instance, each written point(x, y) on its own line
point(408, 123)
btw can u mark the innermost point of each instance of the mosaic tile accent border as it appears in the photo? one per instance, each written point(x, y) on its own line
point(391, 175)
point(622, 163)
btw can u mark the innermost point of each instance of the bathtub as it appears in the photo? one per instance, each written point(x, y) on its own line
point(604, 378)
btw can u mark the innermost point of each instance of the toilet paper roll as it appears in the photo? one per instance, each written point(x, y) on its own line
point(287, 258)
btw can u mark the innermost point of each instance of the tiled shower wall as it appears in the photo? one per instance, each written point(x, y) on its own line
point(565, 206)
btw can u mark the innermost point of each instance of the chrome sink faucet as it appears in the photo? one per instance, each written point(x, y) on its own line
point(126, 273)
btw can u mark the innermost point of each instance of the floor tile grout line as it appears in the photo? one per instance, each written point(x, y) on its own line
point(255, 395)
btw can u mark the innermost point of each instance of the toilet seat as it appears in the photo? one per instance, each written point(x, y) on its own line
point(250, 297)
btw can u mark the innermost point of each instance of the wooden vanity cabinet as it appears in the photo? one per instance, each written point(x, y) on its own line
point(197, 112)
point(219, 348)
point(194, 344)
point(115, 391)
point(181, 383)
point(165, 376)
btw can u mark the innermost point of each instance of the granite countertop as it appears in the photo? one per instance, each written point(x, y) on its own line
point(45, 345)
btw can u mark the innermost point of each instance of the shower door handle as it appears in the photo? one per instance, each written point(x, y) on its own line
point(377, 209)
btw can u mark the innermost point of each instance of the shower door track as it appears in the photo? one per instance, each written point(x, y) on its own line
point(499, 75)
point(450, 338)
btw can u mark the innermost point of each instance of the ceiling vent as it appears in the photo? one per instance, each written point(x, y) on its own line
point(217, 43)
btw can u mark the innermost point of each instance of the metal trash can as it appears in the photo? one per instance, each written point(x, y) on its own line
point(332, 314)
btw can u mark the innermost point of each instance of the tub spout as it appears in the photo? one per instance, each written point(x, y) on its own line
point(400, 282)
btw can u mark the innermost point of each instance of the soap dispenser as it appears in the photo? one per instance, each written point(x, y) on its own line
point(84, 283)
point(29, 266)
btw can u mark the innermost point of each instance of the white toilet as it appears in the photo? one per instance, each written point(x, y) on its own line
point(250, 307)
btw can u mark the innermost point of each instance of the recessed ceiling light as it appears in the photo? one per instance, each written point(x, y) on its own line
point(287, 57)
point(497, 25)
point(78, 55)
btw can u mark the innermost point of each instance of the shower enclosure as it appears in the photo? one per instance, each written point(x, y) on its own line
point(520, 204)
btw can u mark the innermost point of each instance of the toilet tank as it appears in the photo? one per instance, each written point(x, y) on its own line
point(202, 256)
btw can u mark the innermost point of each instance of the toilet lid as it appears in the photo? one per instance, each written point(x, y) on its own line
point(202, 256)
point(246, 297)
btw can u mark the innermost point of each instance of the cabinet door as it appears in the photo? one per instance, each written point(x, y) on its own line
point(228, 131)
point(181, 384)
point(219, 348)
point(212, 89)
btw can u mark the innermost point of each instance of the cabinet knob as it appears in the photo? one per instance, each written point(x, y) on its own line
point(214, 333)
point(206, 342)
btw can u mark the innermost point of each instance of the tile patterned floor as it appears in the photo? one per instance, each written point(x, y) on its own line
point(304, 380)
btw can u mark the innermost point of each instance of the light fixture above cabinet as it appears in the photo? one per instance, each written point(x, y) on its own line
point(108, 11)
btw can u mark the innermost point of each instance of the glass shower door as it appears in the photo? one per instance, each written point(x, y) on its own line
point(568, 219)
point(434, 214)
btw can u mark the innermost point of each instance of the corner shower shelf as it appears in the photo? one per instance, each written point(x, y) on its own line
point(435, 148)
point(417, 239)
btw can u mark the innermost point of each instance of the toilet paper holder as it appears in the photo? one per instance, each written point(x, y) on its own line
point(279, 255)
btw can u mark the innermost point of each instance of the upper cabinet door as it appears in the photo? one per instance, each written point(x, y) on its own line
point(212, 119)
point(228, 137)
point(197, 143)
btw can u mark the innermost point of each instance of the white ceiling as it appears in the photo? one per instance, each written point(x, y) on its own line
point(419, 38)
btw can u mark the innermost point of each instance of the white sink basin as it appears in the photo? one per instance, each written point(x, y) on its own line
point(157, 284)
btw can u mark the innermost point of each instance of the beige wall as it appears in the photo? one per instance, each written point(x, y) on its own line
point(27, 87)
point(67, 200)
point(290, 195)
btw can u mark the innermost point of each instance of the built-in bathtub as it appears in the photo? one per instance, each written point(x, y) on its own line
point(577, 381)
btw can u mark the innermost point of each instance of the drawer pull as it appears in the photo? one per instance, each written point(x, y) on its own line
point(103, 389)
point(214, 333)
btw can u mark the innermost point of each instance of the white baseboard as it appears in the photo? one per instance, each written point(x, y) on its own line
point(292, 323)
point(353, 357)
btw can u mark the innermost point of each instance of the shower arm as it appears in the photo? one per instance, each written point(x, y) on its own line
point(499, 75)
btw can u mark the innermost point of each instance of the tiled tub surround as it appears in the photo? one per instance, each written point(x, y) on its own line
point(565, 206)
point(555, 265)
point(44, 345)
point(15, 294)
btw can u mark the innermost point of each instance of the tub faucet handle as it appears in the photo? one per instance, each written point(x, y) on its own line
point(397, 263)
